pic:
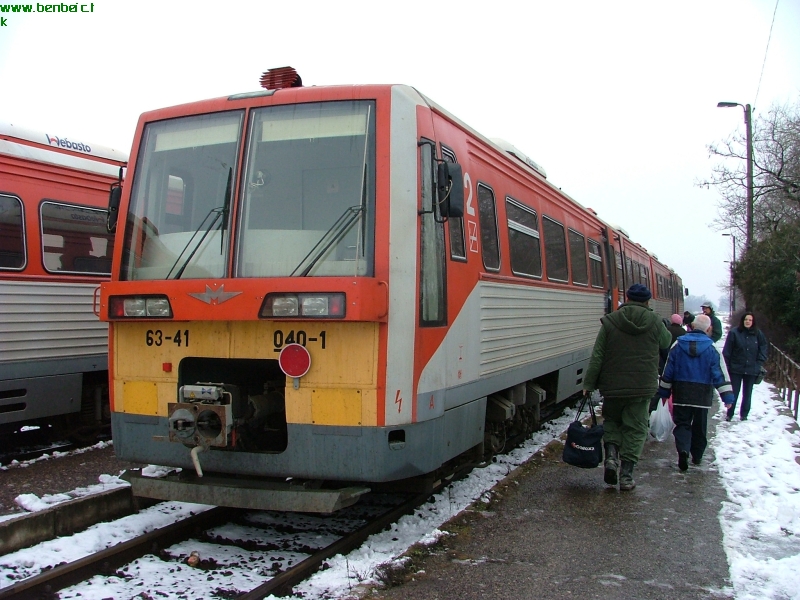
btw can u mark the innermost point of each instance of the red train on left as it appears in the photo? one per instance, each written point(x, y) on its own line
point(55, 249)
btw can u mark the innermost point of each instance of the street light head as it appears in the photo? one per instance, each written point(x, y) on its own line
point(727, 104)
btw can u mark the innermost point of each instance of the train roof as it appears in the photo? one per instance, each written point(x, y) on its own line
point(29, 144)
point(502, 146)
point(72, 147)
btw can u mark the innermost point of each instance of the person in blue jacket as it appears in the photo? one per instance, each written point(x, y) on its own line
point(694, 368)
point(745, 351)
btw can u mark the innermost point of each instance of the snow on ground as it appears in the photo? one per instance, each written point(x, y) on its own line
point(760, 519)
point(344, 572)
point(347, 572)
point(17, 464)
point(33, 503)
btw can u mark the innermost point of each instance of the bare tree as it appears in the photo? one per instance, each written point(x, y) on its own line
point(776, 174)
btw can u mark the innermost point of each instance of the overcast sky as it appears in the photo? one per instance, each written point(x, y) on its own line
point(616, 100)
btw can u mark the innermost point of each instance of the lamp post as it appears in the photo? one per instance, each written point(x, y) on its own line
point(748, 121)
point(733, 271)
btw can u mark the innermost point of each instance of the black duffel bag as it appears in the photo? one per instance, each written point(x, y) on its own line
point(584, 445)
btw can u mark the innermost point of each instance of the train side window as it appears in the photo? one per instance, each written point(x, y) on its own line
point(629, 271)
point(596, 263)
point(523, 239)
point(176, 191)
point(432, 289)
point(75, 239)
point(577, 255)
point(12, 233)
point(458, 248)
point(620, 276)
point(487, 213)
point(555, 250)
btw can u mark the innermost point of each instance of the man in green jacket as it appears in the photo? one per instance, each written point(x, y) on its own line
point(624, 367)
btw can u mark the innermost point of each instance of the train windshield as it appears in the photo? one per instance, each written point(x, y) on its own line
point(308, 193)
point(178, 225)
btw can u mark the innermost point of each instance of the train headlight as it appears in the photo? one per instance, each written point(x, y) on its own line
point(310, 305)
point(284, 306)
point(315, 305)
point(153, 307)
point(158, 307)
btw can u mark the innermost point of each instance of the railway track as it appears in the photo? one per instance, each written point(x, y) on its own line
point(241, 554)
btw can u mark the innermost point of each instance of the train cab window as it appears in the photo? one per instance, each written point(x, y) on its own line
point(178, 223)
point(555, 250)
point(75, 239)
point(432, 288)
point(487, 213)
point(577, 255)
point(308, 191)
point(12, 233)
point(458, 250)
point(523, 239)
point(596, 263)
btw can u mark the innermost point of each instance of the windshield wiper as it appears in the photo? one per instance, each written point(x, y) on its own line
point(220, 212)
point(334, 234)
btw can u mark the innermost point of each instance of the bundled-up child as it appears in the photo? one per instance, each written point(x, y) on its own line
point(694, 368)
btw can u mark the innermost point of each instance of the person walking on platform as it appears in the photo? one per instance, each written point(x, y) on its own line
point(675, 330)
point(716, 326)
point(745, 351)
point(694, 368)
point(624, 367)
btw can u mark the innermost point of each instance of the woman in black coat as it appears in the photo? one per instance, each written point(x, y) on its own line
point(744, 352)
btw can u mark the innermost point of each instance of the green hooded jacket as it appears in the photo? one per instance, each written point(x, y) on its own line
point(624, 361)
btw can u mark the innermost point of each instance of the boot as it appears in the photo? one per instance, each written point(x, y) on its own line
point(683, 460)
point(626, 481)
point(611, 464)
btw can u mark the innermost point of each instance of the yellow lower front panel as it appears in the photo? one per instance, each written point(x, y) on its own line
point(140, 397)
point(336, 407)
point(340, 388)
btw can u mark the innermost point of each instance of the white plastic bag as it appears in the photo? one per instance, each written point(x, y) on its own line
point(661, 422)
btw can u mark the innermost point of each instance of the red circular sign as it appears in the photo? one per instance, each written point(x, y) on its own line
point(294, 360)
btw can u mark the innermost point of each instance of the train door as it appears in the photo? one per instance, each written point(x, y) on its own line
point(432, 279)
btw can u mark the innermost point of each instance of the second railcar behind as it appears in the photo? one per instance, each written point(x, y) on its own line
point(55, 250)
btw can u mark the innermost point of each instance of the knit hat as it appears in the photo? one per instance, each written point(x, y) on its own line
point(638, 293)
point(676, 319)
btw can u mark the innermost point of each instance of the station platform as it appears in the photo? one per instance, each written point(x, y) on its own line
point(555, 531)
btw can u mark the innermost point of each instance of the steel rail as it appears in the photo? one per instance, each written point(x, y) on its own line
point(282, 584)
point(47, 583)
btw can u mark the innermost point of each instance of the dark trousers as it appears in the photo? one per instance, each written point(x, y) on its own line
point(625, 424)
point(745, 384)
point(691, 427)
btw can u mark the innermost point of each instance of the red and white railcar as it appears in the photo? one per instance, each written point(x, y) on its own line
point(54, 251)
point(295, 293)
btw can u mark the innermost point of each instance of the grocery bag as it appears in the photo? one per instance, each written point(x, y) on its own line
point(661, 422)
